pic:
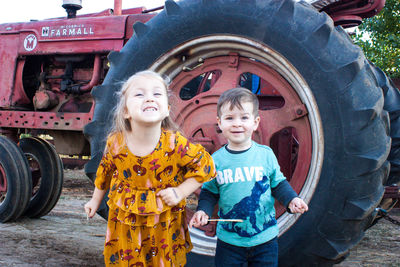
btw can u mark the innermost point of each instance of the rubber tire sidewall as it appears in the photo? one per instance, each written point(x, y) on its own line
point(40, 199)
point(58, 178)
point(392, 106)
point(19, 181)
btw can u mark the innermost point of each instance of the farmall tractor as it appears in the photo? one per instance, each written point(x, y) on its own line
point(330, 116)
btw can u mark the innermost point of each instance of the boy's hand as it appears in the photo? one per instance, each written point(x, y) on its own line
point(297, 205)
point(171, 196)
point(199, 218)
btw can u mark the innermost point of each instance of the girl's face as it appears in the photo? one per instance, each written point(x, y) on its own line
point(146, 101)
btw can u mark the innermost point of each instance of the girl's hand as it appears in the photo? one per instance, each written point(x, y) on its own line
point(94, 203)
point(297, 205)
point(91, 207)
point(171, 196)
point(200, 218)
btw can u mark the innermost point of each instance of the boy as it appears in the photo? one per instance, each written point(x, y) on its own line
point(248, 178)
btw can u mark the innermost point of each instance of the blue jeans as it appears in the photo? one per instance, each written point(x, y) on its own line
point(263, 255)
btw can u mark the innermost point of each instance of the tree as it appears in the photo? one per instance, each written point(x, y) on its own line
point(379, 37)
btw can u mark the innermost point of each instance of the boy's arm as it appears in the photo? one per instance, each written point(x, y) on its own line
point(205, 208)
point(284, 193)
point(207, 201)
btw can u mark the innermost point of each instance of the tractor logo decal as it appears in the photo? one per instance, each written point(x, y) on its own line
point(45, 31)
point(74, 30)
point(30, 42)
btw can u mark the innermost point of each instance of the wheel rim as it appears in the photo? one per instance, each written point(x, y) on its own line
point(3, 184)
point(34, 167)
point(229, 57)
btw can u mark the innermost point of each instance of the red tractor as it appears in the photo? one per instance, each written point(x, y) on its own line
point(325, 109)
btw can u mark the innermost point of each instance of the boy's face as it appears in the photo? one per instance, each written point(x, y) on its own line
point(238, 125)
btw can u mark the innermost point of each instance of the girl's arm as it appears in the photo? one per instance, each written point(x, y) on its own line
point(92, 206)
point(173, 195)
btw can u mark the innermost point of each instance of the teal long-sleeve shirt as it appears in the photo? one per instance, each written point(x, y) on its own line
point(244, 189)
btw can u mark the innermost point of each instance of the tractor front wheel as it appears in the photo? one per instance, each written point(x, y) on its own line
point(58, 178)
point(46, 178)
point(15, 181)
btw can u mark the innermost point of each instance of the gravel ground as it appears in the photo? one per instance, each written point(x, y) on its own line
point(65, 237)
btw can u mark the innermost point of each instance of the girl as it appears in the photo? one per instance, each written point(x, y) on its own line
point(150, 170)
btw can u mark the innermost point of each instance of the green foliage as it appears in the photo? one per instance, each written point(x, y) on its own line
point(379, 37)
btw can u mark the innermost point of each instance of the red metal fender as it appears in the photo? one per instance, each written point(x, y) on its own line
point(349, 13)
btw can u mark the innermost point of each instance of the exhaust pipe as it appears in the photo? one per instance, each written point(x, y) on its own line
point(71, 6)
point(117, 7)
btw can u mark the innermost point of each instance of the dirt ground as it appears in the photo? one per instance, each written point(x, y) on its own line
point(64, 237)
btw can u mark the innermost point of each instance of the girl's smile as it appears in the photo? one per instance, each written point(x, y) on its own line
point(147, 109)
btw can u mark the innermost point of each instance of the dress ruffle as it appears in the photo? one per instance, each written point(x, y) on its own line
point(134, 219)
point(141, 206)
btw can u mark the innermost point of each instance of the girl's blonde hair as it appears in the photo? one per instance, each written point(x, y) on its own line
point(120, 123)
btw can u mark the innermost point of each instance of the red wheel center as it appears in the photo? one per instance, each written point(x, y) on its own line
point(284, 124)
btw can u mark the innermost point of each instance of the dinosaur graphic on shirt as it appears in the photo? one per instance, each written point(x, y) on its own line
point(246, 209)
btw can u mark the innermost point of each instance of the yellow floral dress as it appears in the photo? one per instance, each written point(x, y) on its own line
point(142, 230)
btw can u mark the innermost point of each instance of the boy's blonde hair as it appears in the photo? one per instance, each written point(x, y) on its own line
point(123, 125)
point(236, 97)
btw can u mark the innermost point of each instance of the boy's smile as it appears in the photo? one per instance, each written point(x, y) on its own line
point(238, 125)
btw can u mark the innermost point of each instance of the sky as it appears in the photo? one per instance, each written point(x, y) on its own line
point(26, 10)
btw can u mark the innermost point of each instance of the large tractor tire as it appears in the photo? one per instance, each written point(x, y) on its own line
point(42, 174)
point(321, 95)
point(15, 181)
point(392, 106)
point(58, 170)
point(47, 175)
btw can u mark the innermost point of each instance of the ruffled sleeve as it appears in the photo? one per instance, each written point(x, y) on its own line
point(196, 161)
point(106, 167)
